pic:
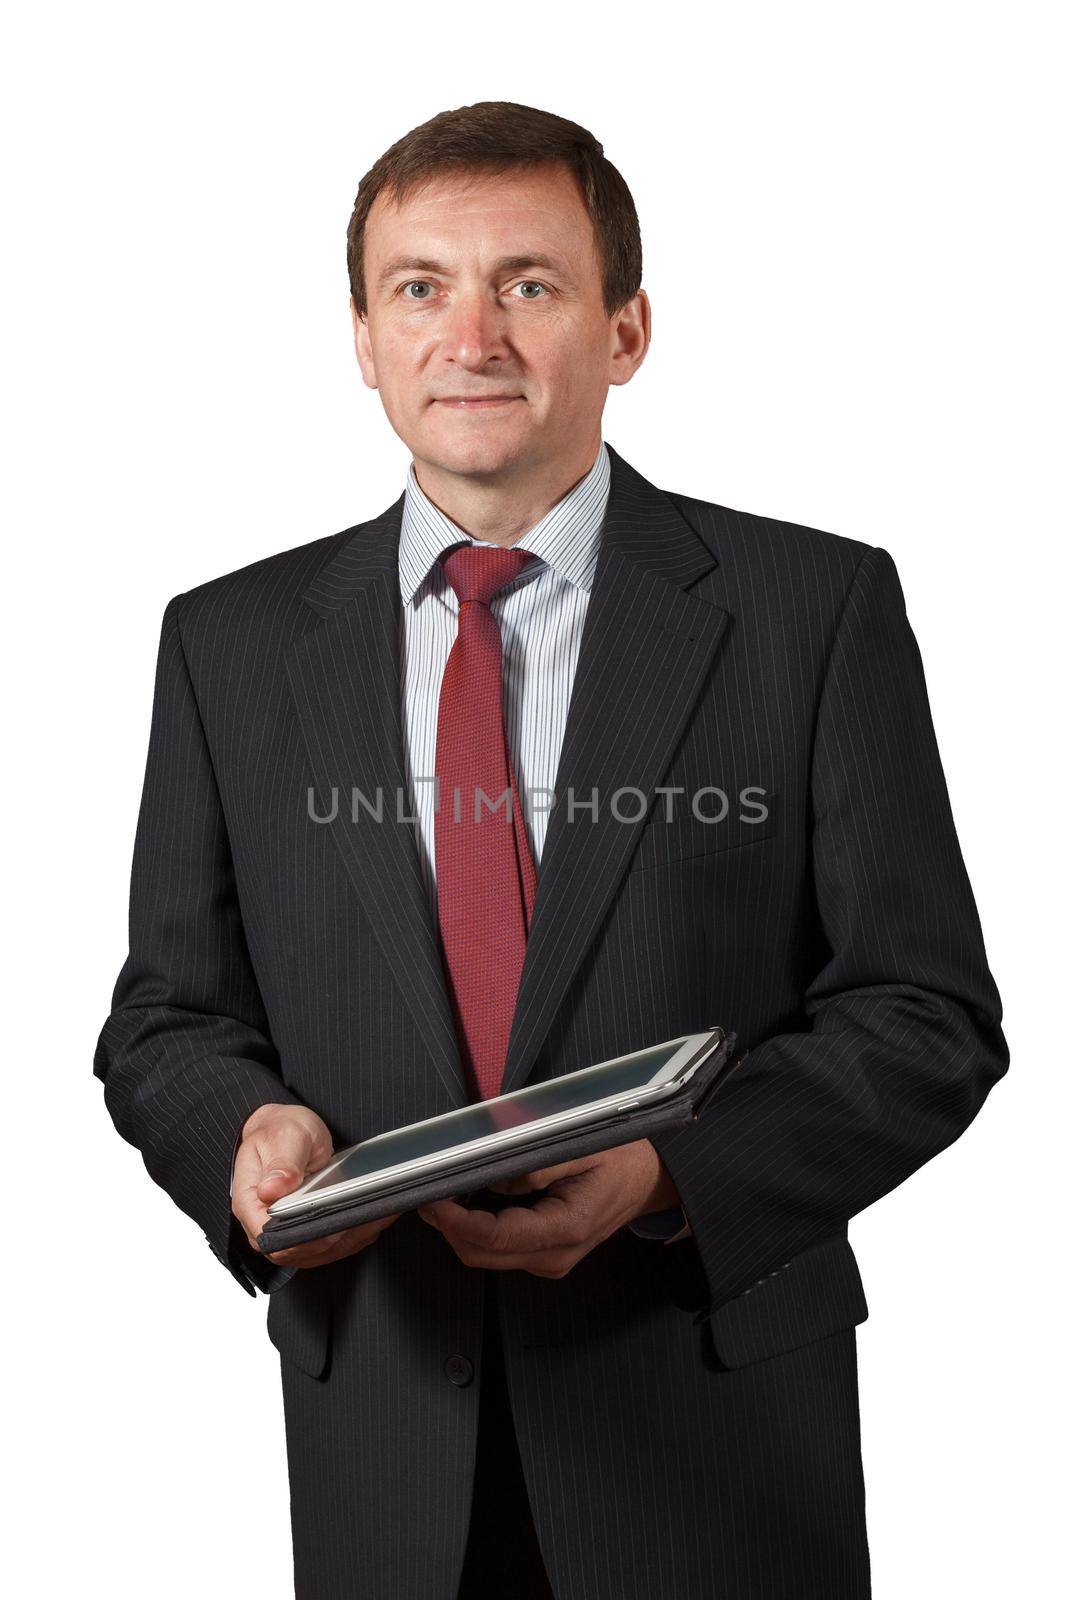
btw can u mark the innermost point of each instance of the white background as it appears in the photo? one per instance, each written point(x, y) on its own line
point(848, 215)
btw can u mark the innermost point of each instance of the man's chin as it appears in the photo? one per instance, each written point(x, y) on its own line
point(466, 452)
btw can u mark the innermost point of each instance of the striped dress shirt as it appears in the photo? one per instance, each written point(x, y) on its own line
point(541, 613)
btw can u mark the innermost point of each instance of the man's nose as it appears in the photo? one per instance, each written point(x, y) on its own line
point(475, 330)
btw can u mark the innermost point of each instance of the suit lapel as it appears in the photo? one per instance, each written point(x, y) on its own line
point(646, 650)
point(345, 679)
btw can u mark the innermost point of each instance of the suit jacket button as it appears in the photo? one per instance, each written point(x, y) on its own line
point(459, 1371)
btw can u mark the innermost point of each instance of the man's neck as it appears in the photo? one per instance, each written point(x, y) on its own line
point(500, 509)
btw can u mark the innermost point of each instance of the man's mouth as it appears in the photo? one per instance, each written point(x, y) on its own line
point(484, 404)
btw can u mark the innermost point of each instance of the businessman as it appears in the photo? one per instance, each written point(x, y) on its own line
point(635, 1374)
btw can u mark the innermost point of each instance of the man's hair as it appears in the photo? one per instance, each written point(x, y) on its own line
point(493, 137)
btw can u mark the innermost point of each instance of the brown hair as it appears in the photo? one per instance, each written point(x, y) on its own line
point(494, 136)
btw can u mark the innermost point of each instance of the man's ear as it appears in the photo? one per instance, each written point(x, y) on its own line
point(633, 334)
point(364, 353)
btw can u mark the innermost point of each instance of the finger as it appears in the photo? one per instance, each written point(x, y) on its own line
point(247, 1168)
point(299, 1255)
point(549, 1262)
point(523, 1183)
point(550, 1224)
point(541, 1178)
point(333, 1246)
point(341, 1251)
point(545, 1177)
point(247, 1207)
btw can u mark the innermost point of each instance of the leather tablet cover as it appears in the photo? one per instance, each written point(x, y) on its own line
point(640, 1123)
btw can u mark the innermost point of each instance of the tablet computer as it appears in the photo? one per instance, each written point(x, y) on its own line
point(570, 1110)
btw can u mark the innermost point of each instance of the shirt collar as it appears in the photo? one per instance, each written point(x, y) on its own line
point(567, 538)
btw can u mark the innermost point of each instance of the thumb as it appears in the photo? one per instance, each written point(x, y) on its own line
point(285, 1157)
point(282, 1178)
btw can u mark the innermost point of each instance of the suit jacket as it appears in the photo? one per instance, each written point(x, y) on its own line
point(686, 1414)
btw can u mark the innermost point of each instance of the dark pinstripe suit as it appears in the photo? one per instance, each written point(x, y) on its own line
point(687, 1414)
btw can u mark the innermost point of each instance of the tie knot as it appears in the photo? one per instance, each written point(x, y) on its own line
point(476, 572)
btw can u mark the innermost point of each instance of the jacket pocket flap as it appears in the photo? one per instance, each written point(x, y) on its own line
point(299, 1316)
point(689, 836)
point(816, 1294)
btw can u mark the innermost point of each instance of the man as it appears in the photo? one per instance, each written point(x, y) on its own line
point(636, 1377)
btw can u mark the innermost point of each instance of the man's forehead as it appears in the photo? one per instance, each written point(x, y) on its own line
point(533, 187)
point(511, 215)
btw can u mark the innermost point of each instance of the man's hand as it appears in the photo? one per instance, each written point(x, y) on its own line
point(281, 1145)
point(585, 1201)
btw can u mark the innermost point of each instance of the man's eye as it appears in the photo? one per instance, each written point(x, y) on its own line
point(418, 285)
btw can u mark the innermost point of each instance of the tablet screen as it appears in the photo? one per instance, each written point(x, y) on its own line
point(517, 1109)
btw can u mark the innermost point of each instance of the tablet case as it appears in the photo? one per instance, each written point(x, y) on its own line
point(641, 1123)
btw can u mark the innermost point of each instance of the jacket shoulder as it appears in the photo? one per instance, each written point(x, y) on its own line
point(274, 578)
point(747, 539)
point(260, 601)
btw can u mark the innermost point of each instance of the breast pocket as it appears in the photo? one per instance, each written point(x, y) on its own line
point(720, 827)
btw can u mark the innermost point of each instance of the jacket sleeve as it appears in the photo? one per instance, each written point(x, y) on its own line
point(186, 1056)
point(903, 1041)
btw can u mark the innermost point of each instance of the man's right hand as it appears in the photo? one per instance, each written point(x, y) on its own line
point(281, 1145)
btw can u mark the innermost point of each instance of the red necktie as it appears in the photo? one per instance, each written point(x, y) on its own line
point(485, 874)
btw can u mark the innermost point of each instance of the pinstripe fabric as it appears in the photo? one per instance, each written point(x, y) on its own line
point(687, 1417)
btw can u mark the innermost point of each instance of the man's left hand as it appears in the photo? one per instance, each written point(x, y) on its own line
point(584, 1202)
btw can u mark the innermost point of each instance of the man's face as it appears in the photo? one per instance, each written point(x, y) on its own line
point(491, 287)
